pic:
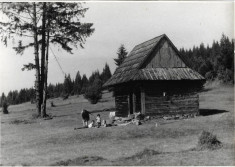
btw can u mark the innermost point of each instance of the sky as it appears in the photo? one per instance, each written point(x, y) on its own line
point(187, 24)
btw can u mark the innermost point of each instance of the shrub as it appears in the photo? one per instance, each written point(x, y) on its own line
point(5, 107)
point(93, 93)
point(210, 75)
point(228, 76)
point(208, 141)
point(52, 104)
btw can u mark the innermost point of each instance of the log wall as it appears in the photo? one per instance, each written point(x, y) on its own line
point(122, 106)
point(172, 105)
point(181, 98)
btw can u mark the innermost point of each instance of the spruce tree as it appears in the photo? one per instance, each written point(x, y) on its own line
point(77, 84)
point(84, 84)
point(93, 93)
point(3, 98)
point(68, 85)
point(106, 74)
point(122, 54)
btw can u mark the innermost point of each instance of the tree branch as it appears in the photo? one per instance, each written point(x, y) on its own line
point(13, 32)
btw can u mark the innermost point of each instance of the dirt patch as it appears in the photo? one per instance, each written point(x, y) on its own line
point(85, 160)
point(142, 155)
point(18, 121)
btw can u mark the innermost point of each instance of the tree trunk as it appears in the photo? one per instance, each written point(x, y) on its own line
point(43, 51)
point(37, 81)
point(44, 114)
point(45, 80)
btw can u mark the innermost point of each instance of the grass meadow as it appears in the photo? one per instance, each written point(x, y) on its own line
point(28, 141)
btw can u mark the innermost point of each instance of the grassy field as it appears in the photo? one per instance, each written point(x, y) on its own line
point(28, 141)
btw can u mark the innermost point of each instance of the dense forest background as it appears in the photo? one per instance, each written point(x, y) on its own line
point(78, 85)
point(215, 62)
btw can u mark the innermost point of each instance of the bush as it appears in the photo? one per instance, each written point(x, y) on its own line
point(210, 75)
point(93, 93)
point(226, 76)
point(208, 141)
point(5, 107)
point(52, 104)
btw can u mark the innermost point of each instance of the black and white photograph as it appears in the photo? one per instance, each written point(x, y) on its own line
point(117, 83)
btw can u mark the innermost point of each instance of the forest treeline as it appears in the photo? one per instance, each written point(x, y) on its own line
point(214, 62)
point(78, 85)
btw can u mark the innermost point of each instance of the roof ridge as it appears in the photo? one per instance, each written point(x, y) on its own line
point(164, 67)
point(149, 40)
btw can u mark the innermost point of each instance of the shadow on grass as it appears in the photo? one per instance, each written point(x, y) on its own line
point(207, 112)
point(62, 104)
point(103, 110)
point(66, 115)
point(85, 160)
point(206, 90)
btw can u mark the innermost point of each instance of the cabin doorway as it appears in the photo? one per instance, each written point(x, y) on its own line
point(134, 102)
point(130, 104)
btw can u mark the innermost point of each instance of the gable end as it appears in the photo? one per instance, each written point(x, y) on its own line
point(164, 55)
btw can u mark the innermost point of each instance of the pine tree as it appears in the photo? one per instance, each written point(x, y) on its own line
point(226, 52)
point(106, 74)
point(4, 104)
point(122, 54)
point(77, 84)
point(68, 85)
point(84, 84)
point(93, 93)
point(3, 99)
point(95, 74)
point(10, 97)
point(60, 24)
point(15, 96)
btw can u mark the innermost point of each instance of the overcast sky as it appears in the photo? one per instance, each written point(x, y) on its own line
point(129, 23)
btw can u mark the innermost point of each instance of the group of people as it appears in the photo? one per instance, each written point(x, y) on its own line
point(86, 117)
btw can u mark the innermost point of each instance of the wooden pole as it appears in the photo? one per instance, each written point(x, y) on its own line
point(129, 105)
point(142, 94)
point(133, 102)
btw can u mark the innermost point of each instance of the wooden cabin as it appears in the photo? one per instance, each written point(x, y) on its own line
point(155, 80)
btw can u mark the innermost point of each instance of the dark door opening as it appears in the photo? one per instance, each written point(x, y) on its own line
point(131, 104)
point(134, 102)
point(138, 101)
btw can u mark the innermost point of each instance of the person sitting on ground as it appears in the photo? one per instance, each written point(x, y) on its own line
point(85, 117)
point(92, 124)
point(98, 120)
point(103, 123)
point(107, 124)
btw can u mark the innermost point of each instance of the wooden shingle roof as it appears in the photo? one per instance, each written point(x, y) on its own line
point(130, 69)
